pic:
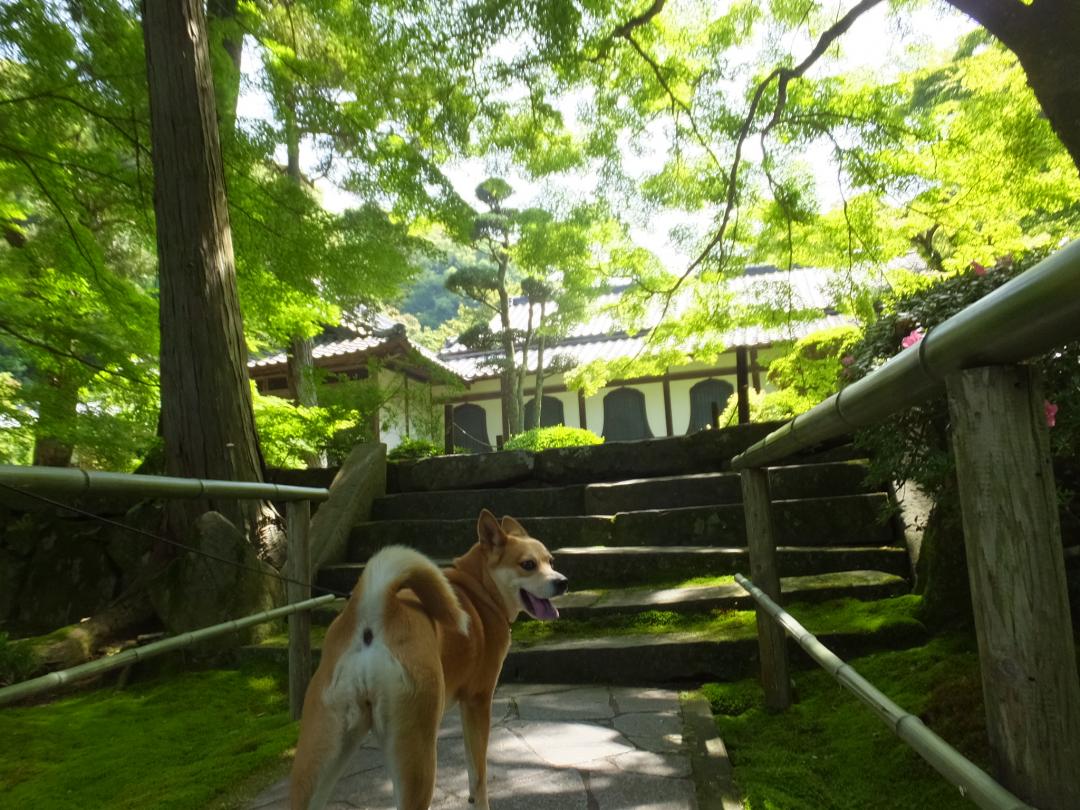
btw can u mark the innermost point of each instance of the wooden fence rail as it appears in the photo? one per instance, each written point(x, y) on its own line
point(1027, 656)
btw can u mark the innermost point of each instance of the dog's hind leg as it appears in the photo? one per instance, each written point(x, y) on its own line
point(409, 743)
point(322, 755)
point(476, 722)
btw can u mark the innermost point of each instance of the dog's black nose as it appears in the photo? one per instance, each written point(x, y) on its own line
point(561, 584)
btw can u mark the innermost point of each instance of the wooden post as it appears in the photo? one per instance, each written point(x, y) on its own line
point(1018, 589)
point(755, 370)
point(761, 539)
point(668, 421)
point(298, 519)
point(714, 414)
point(583, 423)
point(448, 429)
point(742, 380)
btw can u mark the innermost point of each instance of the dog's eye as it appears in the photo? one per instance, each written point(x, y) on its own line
point(529, 565)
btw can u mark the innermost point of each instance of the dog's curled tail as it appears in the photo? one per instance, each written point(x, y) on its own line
point(394, 568)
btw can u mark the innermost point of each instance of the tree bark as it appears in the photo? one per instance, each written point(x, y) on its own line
point(209, 425)
point(1045, 37)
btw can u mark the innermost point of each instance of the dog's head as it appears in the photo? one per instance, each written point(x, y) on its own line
point(521, 567)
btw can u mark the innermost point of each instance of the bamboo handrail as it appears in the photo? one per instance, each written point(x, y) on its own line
point(1032, 314)
point(52, 680)
point(73, 481)
point(941, 756)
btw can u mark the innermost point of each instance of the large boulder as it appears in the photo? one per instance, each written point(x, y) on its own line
point(197, 590)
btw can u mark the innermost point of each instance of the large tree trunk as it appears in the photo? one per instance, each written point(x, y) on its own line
point(208, 421)
point(1045, 36)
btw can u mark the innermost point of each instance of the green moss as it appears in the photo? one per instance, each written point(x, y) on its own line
point(830, 752)
point(836, 616)
point(181, 741)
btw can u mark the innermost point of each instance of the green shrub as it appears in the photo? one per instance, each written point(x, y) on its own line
point(412, 450)
point(290, 433)
point(813, 367)
point(768, 406)
point(17, 660)
point(546, 438)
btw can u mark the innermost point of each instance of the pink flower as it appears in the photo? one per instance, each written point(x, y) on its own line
point(1050, 409)
point(847, 360)
point(978, 269)
point(913, 337)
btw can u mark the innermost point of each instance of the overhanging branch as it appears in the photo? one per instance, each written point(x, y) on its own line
point(783, 77)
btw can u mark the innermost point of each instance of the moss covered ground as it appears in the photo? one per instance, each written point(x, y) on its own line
point(836, 616)
point(208, 739)
point(829, 752)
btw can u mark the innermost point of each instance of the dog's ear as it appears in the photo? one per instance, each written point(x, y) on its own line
point(511, 526)
point(489, 531)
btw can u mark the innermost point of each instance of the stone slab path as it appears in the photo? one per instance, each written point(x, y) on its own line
point(566, 748)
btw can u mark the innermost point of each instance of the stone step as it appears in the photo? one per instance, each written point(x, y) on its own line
point(667, 492)
point(675, 658)
point(612, 566)
point(837, 521)
point(863, 585)
point(707, 451)
point(656, 659)
point(584, 604)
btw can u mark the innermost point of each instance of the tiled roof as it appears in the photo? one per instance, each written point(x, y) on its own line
point(805, 289)
point(364, 334)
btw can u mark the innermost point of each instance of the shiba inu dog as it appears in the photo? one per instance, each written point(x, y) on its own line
point(412, 641)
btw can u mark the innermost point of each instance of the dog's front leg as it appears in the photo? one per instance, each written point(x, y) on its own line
point(476, 722)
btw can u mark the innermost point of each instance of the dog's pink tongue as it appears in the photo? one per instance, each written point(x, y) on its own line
point(540, 608)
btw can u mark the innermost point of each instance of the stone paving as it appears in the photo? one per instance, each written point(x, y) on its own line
point(565, 748)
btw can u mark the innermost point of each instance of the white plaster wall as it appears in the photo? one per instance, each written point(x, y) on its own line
point(391, 415)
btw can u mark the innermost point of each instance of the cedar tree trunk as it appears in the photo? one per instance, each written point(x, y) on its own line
point(209, 425)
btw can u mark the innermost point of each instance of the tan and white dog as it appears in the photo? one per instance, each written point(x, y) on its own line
point(411, 642)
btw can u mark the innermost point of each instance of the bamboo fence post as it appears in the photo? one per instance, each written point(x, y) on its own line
point(1018, 588)
point(298, 589)
point(761, 540)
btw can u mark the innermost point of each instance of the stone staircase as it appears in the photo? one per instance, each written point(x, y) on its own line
point(629, 524)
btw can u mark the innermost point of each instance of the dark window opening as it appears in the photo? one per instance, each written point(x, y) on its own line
point(624, 416)
point(470, 428)
point(551, 412)
point(702, 397)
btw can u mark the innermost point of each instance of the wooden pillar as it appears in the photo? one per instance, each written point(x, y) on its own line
point(668, 422)
point(755, 370)
point(582, 421)
point(742, 379)
point(297, 589)
point(448, 429)
point(761, 539)
point(1018, 590)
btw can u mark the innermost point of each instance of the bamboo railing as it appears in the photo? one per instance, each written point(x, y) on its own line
point(75, 482)
point(1011, 531)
